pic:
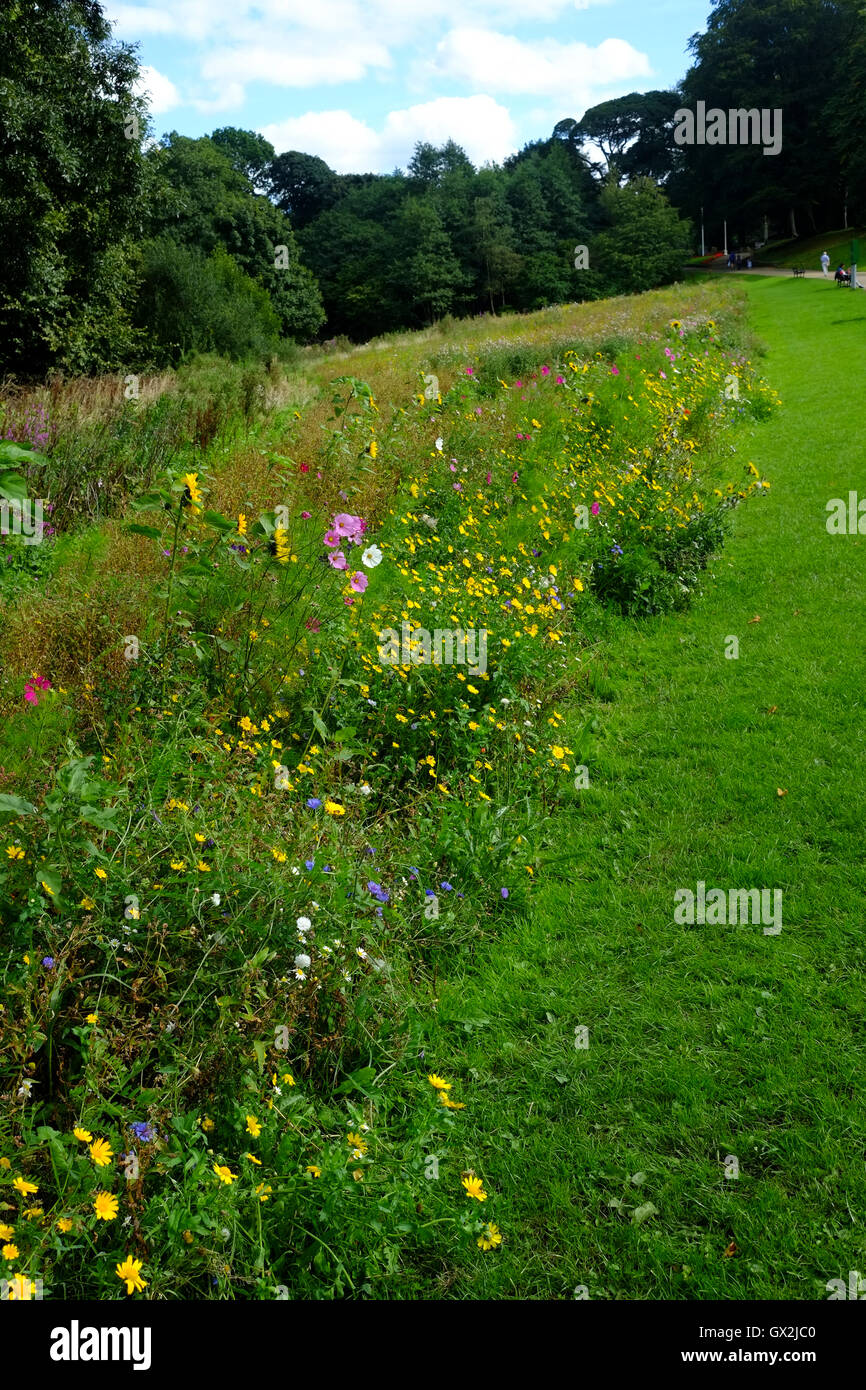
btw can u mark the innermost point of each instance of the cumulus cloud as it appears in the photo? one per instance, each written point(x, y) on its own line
point(478, 123)
point(540, 68)
point(160, 91)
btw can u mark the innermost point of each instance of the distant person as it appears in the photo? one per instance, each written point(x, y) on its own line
point(841, 275)
point(732, 260)
point(748, 263)
point(825, 263)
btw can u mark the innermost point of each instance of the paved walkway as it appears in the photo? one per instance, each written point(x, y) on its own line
point(776, 270)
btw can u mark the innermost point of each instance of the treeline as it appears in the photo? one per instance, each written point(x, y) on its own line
point(120, 251)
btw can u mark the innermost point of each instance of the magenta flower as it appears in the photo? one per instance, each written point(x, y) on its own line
point(469, 371)
point(359, 582)
point(518, 384)
point(614, 371)
point(489, 478)
point(545, 371)
point(663, 375)
point(30, 694)
point(349, 527)
point(514, 477)
point(332, 539)
point(595, 509)
point(337, 561)
point(560, 381)
point(306, 515)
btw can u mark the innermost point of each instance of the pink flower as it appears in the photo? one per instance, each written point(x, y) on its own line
point(305, 468)
point(595, 509)
point(359, 582)
point(458, 487)
point(332, 539)
point(453, 467)
point(545, 371)
point(41, 683)
point(337, 561)
point(306, 515)
point(614, 371)
point(469, 371)
point(313, 624)
point(489, 478)
point(350, 527)
point(663, 375)
point(30, 694)
point(518, 383)
point(560, 381)
point(478, 410)
point(348, 600)
point(514, 477)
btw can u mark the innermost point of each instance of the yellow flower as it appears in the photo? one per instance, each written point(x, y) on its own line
point(314, 1169)
point(25, 1188)
point(9, 1252)
point(14, 852)
point(242, 524)
point(438, 1082)
point(253, 1126)
point(357, 1142)
point(279, 856)
point(83, 1134)
point(130, 1274)
point(281, 546)
point(449, 1103)
point(191, 480)
point(490, 1237)
point(252, 1158)
point(31, 1213)
point(87, 903)
point(100, 873)
point(21, 1288)
point(474, 1187)
point(557, 751)
point(263, 1192)
point(4, 1162)
point(207, 1125)
point(92, 1018)
point(6, 1232)
point(202, 867)
point(101, 1152)
point(288, 1079)
point(334, 809)
point(373, 448)
point(64, 1224)
point(225, 1174)
point(105, 1206)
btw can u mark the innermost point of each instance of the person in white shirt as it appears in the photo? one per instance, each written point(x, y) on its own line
point(825, 264)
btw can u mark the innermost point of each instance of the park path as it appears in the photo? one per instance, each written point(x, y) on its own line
point(702, 1042)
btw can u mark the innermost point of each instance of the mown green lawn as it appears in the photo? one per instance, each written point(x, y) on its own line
point(607, 1164)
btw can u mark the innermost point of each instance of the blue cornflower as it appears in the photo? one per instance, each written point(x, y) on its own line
point(446, 886)
point(143, 1131)
point(314, 803)
point(309, 863)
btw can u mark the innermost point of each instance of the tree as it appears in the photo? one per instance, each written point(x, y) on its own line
point(434, 271)
point(211, 205)
point(74, 189)
point(302, 186)
point(248, 153)
point(645, 242)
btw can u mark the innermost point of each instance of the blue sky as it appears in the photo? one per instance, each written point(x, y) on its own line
point(360, 81)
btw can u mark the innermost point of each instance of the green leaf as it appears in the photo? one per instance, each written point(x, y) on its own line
point(220, 523)
point(13, 487)
point(643, 1213)
point(17, 453)
point(358, 1081)
point(259, 1049)
point(149, 501)
point(140, 530)
point(16, 805)
point(51, 881)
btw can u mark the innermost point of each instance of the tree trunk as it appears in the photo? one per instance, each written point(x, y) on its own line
point(793, 221)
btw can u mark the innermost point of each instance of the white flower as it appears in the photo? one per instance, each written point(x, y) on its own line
point(365, 789)
point(314, 906)
point(24, 1089)
point(299, 975)
point(371, 557)
point(296, 872)
point(359, 951)
point(216, 899)
point(439, 443)
point(303, 924)
point(303, 962)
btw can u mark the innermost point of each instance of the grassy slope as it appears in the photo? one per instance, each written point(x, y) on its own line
point(704, 1041)
point(807, 250)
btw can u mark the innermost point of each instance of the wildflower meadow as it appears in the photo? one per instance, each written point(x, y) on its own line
point(254, 816)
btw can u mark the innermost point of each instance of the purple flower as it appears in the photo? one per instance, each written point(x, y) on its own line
point(446, 886)
point(314, 803)
point(378, 892)
point(143, 1131)
point(309, 863)
point(504, 892)
point(428, 893)
point(48, 962)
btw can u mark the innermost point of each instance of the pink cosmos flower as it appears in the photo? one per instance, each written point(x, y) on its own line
point(359, 582)
point(545, 371)
point(518, 383)
point(313, 624)
point(614, 371)
point(560, 381)
point(306, 515)
point(337, 561)
point(663, 375)
point(332, 539)
point(453, 467)
point(348, 526)
point(469, 371)
point(595, 509)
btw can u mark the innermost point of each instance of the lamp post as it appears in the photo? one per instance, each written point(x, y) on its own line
point(703, 250)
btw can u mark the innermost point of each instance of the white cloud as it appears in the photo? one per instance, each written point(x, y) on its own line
point(347, 144)
point(305, 62)
point(478, 123)
point(160, 91)
point(564, 72)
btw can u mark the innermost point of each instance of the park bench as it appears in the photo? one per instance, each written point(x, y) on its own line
point(799, 269)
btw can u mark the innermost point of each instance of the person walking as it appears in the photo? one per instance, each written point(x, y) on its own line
point(825, 263)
